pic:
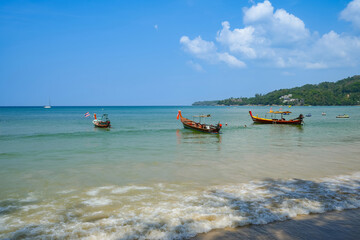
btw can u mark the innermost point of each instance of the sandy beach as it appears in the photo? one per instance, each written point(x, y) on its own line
point(331, 225)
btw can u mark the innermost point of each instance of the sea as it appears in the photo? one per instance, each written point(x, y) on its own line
point(147, 177)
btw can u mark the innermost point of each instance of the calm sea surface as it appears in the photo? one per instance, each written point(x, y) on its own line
point(149, 178)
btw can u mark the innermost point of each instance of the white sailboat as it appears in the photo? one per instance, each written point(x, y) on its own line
point(48, 106)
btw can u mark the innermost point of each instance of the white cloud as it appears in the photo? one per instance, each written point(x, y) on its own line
point(337, 50)
point(288, 27)
point(197, 67)
point(288, 73)
point(230, 60)
point(156, 27)
point(352, 13)
point(260, 12)
point(267, 35)
point(280, 27)
point(198, 47)
point(207, 51)
point(316, 65)
point(277, 38)
point(238, 40)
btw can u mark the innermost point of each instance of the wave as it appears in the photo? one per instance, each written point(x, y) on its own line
point(173, 211)
point(88, 133)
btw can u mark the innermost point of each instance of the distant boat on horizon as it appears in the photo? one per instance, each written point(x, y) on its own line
point(343, 116)
point(48, 106)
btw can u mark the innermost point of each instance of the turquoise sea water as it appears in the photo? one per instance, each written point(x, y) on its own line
point(147, 177)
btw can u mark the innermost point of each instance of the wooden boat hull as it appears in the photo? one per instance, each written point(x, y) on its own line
point(205, 128)
point(256, 119)
point(101, 124)
point(200, 129)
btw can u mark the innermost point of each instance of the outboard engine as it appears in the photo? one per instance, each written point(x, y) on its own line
point(300, 117)
point(218, 126)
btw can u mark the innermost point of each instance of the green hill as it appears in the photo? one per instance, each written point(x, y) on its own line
point(206, 103)
point(343, 92)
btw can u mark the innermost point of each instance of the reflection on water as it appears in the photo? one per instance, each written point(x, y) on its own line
point(194, 137)
point(286, 129)
point(281, 127)
point(97, 129)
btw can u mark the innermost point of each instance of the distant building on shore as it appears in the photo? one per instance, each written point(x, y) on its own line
point(287, 99)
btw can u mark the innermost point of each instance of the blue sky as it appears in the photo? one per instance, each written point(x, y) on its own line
point(171, 52)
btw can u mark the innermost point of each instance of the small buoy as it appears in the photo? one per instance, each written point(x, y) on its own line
point(225, 124)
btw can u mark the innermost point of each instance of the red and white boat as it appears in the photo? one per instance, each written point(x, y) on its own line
point(104, 122)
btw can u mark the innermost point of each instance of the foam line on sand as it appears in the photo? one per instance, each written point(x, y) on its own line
point(334, 225)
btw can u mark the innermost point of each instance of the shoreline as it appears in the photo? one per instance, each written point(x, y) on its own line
point(333, 225)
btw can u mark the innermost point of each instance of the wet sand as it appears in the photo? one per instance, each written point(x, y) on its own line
point(331, 225)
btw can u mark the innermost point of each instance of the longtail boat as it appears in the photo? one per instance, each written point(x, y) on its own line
point(296, 121)
point(343, 116)
point(198, 126)
point(104, 122)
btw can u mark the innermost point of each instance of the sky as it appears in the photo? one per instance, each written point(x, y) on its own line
point(170, 52)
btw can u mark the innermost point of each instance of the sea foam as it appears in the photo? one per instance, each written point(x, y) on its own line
point(97, 201)
point(121, 190)
point(183, 213)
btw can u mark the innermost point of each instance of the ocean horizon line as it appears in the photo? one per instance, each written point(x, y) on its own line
point(56, 106)
point(59, 106)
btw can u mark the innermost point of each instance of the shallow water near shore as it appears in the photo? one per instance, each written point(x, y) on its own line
point(147, 177)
